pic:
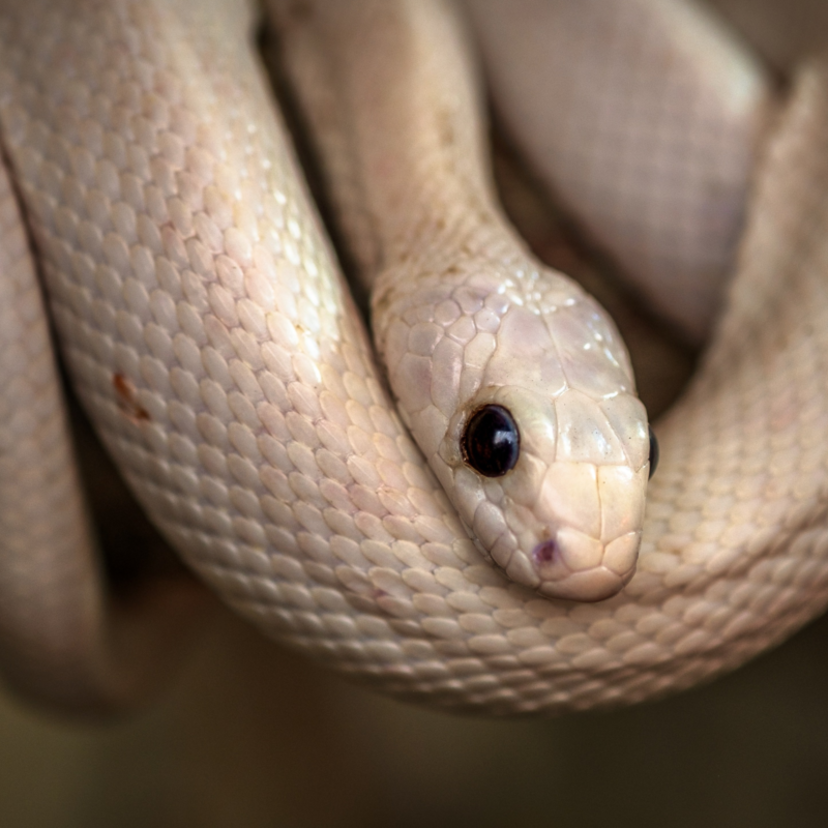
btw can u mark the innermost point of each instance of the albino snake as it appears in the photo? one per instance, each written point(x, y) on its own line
point(216, 350)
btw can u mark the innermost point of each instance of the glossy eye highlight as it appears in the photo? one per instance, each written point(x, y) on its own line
point(491, 441)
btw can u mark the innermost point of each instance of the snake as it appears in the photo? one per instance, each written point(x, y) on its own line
point(432, 477)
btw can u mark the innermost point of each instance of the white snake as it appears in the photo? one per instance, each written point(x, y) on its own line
point(218, 353)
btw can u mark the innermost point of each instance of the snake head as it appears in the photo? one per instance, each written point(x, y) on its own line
point(523, 402)
point(566, 517)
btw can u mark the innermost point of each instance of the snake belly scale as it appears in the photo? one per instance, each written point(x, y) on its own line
point(185, 266)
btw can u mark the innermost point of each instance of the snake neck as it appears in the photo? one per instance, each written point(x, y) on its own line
point(392, 103)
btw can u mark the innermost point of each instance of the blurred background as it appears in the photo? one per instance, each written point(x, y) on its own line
point(252, 735)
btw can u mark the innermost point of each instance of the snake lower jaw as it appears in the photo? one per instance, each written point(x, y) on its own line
point(591, 586)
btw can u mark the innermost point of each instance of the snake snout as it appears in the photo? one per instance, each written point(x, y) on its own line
point(574, 566)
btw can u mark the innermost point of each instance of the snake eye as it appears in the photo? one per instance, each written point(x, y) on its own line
point(491, 442)
point(653, 451)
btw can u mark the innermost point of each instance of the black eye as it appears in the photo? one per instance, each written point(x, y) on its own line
point(653, 451)
point(491, 442)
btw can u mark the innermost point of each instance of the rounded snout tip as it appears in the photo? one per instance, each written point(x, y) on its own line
point(575, 567)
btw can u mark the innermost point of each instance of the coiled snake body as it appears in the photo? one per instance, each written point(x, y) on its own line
point(220, 356)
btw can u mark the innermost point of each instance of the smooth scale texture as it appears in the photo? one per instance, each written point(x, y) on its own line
point(462, 316)
point(214, 345)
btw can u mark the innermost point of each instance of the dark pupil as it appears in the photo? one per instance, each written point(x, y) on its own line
point(491, 442)
point(653, 452)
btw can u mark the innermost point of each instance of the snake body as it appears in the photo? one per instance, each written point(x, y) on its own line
point(462, 317)
point(218, 352)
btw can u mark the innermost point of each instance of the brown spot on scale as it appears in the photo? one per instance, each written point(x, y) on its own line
point(126, 399)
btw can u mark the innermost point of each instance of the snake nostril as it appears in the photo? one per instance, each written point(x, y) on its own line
point(546, 552)
point(653, 451)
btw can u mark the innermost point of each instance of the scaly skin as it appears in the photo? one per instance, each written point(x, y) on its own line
point(462, 316)
point(215, 347)
point(664, 191)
